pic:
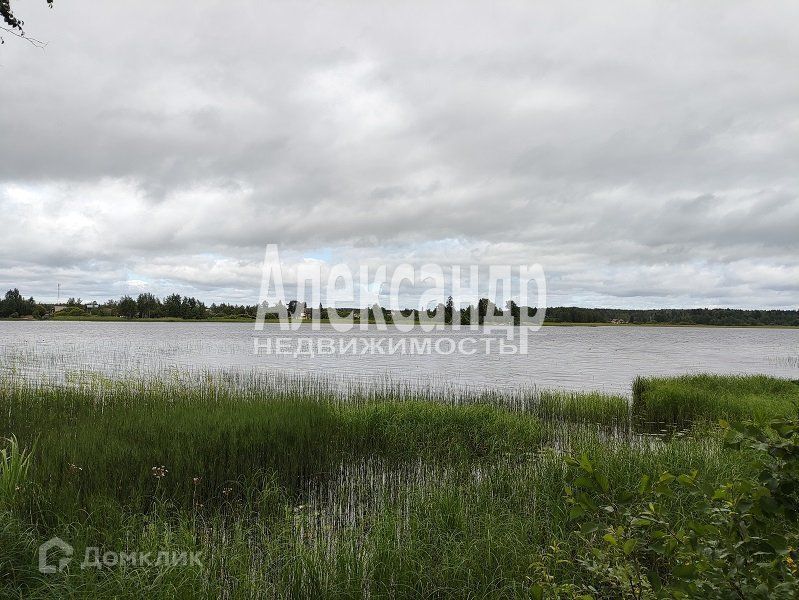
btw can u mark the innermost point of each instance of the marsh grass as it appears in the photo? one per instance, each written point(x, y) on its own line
point(293, 487)
point(691, 398)
point(14, 466)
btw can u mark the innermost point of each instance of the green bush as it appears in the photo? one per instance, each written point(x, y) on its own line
point(72, 312)
point(739, 540)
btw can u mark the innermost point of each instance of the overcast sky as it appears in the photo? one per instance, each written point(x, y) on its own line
point(645, 154)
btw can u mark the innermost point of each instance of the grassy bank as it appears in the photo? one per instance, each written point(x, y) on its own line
point(290, 488)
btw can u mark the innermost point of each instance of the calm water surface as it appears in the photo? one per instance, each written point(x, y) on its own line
point(573, 358)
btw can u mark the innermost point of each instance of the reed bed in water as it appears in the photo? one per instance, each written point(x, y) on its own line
point(692, 398)
point(297, 487)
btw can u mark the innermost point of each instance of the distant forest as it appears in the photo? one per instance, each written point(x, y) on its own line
point(148, 306)
point(673, 316)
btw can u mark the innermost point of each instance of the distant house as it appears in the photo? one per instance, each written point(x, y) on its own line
point(306, 313)
point(60, 307)
point(618, 321)
point(91, 306)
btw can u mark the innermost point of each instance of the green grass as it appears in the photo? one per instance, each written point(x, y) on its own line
point(685, 399)
point(294, 488)
point(229, 432)
point(14, 466)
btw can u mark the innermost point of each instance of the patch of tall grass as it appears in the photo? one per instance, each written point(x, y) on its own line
point(689, 398)
point(14, 466)
point(102, 437)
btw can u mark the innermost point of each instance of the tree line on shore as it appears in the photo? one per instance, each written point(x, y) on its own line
point(149, 306)
point(674, 316)
point(145, 306)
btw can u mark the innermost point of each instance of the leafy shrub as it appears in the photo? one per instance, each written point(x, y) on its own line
point(740, 541)
point(72, 312)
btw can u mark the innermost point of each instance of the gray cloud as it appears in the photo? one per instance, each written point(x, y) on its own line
point(644, 153)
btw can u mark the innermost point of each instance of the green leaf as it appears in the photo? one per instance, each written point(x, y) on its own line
point(588, 528)
point(603, 482)
point(610, 539)
point(778, 543)
point(670, 546)
point(586, 501)
point(654, 579)
point(585, 464)
point(720, 494)
point(684, 571)
point(537, 592)
point(576, 512)
point(769, 505)
point(629, 546)
point(666, 478)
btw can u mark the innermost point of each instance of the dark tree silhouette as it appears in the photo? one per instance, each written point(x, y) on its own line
point(127, 307)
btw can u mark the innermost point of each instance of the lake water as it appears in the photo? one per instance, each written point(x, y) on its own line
point(571, 358)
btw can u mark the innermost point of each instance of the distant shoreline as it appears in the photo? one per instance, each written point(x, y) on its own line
point(327, 322)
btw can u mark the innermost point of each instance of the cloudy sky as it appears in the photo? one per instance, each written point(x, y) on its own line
point(645, 154)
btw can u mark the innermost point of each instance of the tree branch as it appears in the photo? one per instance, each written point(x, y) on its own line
point(33, 41)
